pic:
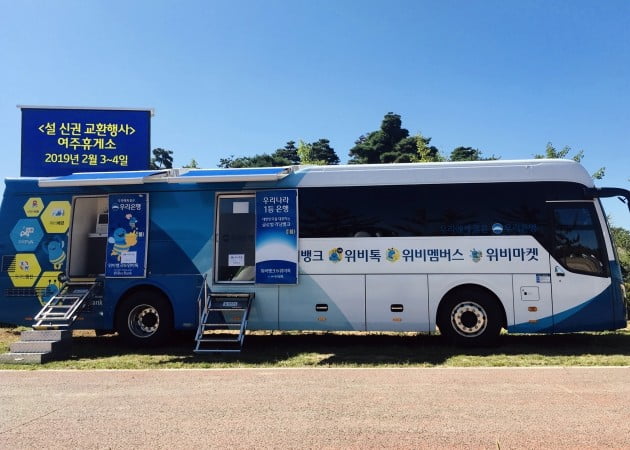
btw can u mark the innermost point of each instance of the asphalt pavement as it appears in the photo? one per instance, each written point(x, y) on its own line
point(317, 408)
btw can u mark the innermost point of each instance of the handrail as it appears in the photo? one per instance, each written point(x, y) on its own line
point(201, 309)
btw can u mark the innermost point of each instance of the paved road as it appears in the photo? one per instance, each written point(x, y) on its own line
point(315, 408)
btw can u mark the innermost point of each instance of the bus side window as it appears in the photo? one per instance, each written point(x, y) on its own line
point(577, 244)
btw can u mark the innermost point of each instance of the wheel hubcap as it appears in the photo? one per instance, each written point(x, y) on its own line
point(144, 321)
point(469, 319)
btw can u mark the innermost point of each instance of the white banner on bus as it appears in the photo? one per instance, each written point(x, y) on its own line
point(477, 254)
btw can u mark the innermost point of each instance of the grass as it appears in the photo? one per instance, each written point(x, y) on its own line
point(263, 349)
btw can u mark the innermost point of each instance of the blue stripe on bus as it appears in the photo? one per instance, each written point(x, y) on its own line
point(592, 315)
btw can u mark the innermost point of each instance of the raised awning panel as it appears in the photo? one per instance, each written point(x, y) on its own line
point(231, 175)
point(104, 178)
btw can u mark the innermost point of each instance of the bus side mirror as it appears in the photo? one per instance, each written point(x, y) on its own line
point(622, 194)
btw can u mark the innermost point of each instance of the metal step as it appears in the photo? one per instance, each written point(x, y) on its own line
point(218, 312)
point(63, 308)
point(46, 335)
point(26, 358)
point(227, 309)
point(38, 347)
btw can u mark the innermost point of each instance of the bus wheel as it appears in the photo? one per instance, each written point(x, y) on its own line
point(145, 319)
point(470, 317)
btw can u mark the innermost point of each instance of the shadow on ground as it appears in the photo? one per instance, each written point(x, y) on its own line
point(324, 349)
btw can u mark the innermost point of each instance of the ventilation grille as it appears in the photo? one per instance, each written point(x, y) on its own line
point(8, 263)
point(21, 292)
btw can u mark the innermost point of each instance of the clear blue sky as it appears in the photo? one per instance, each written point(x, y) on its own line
point(244, 77)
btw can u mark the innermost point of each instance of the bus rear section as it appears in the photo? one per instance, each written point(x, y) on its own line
point(534, 256)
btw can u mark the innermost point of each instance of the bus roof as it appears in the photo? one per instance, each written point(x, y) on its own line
point(495, 171)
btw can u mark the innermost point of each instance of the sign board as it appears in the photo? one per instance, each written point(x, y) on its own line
point(276, 237)
point(127, 236)
point(57, 142)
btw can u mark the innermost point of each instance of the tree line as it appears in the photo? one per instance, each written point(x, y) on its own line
point(391, 143)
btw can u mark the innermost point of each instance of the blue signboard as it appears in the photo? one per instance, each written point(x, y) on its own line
point(57, 142)
point(276, 237)
point(127, 236)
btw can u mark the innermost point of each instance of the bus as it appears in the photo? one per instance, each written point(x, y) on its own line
point(466, 248)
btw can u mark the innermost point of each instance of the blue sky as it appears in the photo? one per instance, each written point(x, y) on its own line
point(244, 77)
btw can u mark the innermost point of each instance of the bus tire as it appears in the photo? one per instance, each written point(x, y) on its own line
point(470, 316)
point(144, 319)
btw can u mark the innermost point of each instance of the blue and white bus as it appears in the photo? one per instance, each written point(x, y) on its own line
point(467, 248)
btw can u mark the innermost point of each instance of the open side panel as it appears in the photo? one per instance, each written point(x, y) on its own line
point(88, 237)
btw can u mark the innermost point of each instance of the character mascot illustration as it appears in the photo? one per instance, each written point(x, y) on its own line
point(122, 241)
point(54, 248)
point(132, 221)
point(47, 293)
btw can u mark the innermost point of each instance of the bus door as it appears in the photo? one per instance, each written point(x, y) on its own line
point(579, 269)
point(235, 244)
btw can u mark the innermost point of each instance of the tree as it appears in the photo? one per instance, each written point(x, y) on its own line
point(552, 152)
point(305, 154)
point(289, 152)
point(392, 144)
point(405, 150)
point(380, 146)
point(426, 152)
point(226, 162)
point(621, 239)
point(468, 154)
point(262, 160)
point(322, 151)
point(193, 164)
point(162, 159)
point(318, 153)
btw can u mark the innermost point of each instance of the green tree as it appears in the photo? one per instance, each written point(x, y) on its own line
point(552, 152)
point(405, 150)
point(162, 159)
point(317, 153)
point(380, 146)
point(468, 154)
point(392, 144)
point(621, 239)
point(289, 152)
point(322, 151)
point(621, 236)
point(305, 152)
point(262, 160)
point(426, 152)
point(193, 164)
point(226, 162)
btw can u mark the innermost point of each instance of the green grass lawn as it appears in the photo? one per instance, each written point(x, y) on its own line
point(346, 350)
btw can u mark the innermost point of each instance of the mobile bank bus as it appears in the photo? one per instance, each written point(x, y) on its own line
point(469, 248)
